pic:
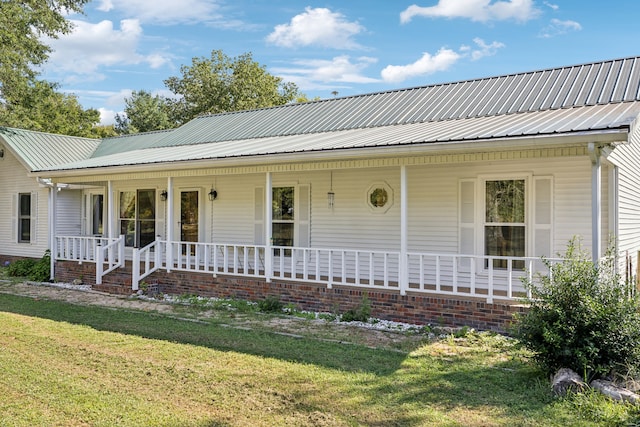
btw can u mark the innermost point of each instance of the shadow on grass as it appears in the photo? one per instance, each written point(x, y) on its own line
point(212, 335)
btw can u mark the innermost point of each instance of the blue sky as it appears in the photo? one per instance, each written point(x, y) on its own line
point(347, 46)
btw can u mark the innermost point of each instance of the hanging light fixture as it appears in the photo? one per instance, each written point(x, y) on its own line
point(330, 194)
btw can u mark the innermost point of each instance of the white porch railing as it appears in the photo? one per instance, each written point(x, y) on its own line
point(111, 254)
point(445, 274)
point(485, 277)
point(145, 261)
point(79, 248)
point(213, 258)
point(106, 252)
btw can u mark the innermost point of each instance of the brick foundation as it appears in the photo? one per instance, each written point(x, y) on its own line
point(414, 308)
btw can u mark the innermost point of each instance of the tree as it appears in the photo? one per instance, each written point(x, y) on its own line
point(24, 24)
point(25, 101)
point(144, 112)
point(38, 106)
point(221, 84)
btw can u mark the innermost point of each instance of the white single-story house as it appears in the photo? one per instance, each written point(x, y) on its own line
point(433, 202)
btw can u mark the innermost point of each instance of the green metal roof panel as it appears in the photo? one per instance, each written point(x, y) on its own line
point(39, 150)
point(131, 142)
point(598, 83)
point(617, 117)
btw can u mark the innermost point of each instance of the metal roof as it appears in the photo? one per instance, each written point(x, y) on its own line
point(39, 150)
point(129, 142)
point(611, 117)
point(597, 96)
point(596, 83)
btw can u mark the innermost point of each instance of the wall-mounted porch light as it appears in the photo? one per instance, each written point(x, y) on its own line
point(213, 194)
point(163, 195)
point(1, 153)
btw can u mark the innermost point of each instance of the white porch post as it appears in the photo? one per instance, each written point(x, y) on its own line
point(169, 224)
point(53, 190)
point(268, 218)
point(110, 210)
point(596, 202)
point(403, 267)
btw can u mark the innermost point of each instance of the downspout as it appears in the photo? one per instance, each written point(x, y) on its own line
point(596, 202)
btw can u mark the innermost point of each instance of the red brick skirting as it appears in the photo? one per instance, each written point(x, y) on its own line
point(414, 308)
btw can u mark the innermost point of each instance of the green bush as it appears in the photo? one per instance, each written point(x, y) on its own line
point(36, 270)
point(582, 316)
point(20, 267)
point(361, 313)
point(270, 304)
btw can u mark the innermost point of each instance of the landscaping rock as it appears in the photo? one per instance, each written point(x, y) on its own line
point(566, 380)
point(615, 392)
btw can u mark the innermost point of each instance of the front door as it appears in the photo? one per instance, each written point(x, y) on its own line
point(189, 219)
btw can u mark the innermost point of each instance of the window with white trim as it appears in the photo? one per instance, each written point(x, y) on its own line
point(283, 222)
point(504, 225)
point(290, 216)
point(510, 216)
point(138, 217)
point(24, 218)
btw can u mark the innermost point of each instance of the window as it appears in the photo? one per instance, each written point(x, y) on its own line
point(283, 222)
point(504, 221)
point(24, 218)
point(138, 217)
point(97, 214)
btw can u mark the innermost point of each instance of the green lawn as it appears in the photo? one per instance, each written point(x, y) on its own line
point(67, 365)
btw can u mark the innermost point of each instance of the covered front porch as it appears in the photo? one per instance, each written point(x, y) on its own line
point(461, 226)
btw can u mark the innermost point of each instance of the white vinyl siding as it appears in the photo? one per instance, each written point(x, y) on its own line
point(627, 159)
point(69, 213)
point(13, 181)
point(542, 216)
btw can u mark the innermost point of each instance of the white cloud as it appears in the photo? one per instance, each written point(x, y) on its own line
point(557, 27)
point(551, 5)
point(322, 74)
point(428, 64)
point(91, 46)
point(164, 11)
point(475, 10)
point(107, 117)
point(484, 49)
point(319, 27)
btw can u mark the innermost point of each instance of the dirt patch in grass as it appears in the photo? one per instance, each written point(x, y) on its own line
point(333, 331)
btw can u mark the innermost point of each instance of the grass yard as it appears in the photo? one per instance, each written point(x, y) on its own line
point(73, 365)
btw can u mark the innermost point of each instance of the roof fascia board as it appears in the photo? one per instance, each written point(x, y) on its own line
point(512, 143)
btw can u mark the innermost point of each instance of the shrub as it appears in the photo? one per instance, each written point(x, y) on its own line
point(361, 313)
point(36, 270)
point(270, 304)
point(583, 317)
point(20, 267)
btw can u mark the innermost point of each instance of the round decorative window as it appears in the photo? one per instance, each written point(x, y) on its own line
point(380, 197)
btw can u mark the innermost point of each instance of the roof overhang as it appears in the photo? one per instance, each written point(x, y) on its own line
point(583, 138)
